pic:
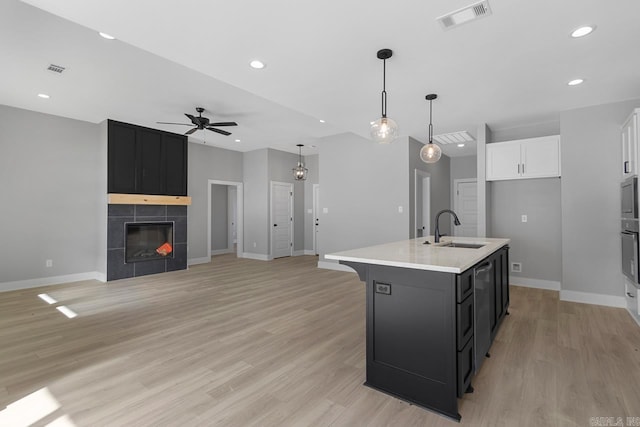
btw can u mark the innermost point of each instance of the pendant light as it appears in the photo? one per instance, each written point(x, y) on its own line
point(384, 130)
point(300, 172)
point(431, 152)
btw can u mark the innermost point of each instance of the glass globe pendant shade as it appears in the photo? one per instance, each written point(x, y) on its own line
point(430, 153)
point(384, 130)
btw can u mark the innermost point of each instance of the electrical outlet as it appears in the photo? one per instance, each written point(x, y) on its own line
point(524, 218)
point(516, 267)
point(254, 244)
point(49, 263)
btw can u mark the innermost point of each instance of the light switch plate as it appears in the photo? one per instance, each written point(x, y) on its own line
point(524, 218)
point(325, 210)
point(400, 210)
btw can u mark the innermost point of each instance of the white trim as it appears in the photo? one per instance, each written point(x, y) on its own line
point(423, 175)
point(591, 298)
point(259, 257)
point(239, 215)
point(222, 251)
point(195, 261)
point(454, 197)
point(335, 266)
point(299, 253)
point(291, 215)
point(525, 282)
point(53, 280)
point(309, 252)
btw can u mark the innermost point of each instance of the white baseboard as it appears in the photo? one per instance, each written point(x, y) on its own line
point(222, 251)
point(591, 298)
point(53, 280)
point(526, 282)
point(203, 260)
point(633, 316)
point(335, 266)
point(259, 257)
point(309, 252)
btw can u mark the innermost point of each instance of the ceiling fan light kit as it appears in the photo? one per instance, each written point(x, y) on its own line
point(384, 130)
point(300, 172)
point(430, 152)
point(201, 123)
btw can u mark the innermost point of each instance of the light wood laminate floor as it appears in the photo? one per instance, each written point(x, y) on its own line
point(241, 342)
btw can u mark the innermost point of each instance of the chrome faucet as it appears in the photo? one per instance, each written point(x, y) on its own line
point(436, 234)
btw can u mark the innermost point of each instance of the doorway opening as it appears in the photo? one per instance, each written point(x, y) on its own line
point(316, 217)
point(225, 218)
point(422, 198)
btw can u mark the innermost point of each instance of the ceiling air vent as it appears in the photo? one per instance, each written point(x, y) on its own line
point(56, 68)
point(453, 138)
point(466, 14)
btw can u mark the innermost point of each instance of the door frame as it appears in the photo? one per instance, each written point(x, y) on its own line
point(291, 204)
point(454, 197)
point(421, 175)
point(239, 214)
point(316, 216)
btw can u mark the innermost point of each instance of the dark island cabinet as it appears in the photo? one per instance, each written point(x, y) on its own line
point(146, 161)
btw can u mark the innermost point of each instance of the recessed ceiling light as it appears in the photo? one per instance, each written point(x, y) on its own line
point(43, 96)
point(258, 65)
point(106, 36)
point(237, 140)
point(583, 31)
point(321, 121)
point(460, 145)
point(575, 82)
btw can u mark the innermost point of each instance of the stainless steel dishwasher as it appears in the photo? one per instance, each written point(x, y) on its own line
point(482, 281)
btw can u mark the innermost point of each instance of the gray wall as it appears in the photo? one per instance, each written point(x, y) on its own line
point(205, 163)
point(591, 156)
point(219, 220)
point(464, 168)
point(280, 165)
point(311, 163)
point(537, 244)
point(256, 202)
point(362, 184)
point(53, 185)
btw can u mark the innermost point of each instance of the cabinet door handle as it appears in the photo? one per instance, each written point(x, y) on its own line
point(626, 166)
point(518, 168)
point(523, 169)
point(630, 295)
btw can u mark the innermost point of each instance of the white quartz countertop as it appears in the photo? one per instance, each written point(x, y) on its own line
point(414, 254)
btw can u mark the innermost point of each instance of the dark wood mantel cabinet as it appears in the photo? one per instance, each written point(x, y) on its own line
point(146, 161)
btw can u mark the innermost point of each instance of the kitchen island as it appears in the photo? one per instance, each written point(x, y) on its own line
point(432, 313)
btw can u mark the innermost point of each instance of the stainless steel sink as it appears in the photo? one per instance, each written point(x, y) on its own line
point(463, 245)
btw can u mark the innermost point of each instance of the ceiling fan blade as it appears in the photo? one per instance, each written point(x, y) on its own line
point(223, 132)
point(190, 117)
point(190, 131)
point(170, 123)
point(223, 124)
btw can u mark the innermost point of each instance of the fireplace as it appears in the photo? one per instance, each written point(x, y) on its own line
point(147, 241)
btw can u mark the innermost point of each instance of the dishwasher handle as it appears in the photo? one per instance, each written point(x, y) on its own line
point(486, 266)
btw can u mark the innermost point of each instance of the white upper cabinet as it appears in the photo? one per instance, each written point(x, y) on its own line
point(630, 145)
point(524, 158)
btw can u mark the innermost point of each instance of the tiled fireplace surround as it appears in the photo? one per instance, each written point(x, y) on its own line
point(118, 215)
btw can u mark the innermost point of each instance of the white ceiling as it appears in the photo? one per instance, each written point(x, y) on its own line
point(506, 70)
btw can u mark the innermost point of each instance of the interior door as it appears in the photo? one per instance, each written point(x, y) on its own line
point(281, 219)
point(466, 206)
point(422, 205)
point(316, 217)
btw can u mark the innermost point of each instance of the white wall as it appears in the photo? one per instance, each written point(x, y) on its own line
point(219, 219)
point(256, 202)
point(53, 186)
point(591, 156)
point(311, 163)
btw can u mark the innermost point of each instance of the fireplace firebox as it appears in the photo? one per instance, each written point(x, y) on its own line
point(146, 241)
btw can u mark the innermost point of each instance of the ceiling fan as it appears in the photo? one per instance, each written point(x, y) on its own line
point(202, 123)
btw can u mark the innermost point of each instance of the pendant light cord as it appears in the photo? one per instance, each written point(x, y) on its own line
point(384, 88)
point(430, 123)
